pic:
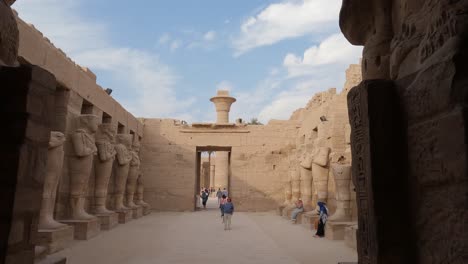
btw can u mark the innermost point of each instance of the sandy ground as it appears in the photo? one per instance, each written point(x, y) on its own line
point(199, 237)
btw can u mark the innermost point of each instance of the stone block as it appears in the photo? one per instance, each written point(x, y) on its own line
point(84, 229)
point(108, 221)
point(308, 220)
point(55, 240)
point(125, 216)
point(336, 230)
point(146, 209)
point(137, 212)
point(350, 236)
point(53, 260)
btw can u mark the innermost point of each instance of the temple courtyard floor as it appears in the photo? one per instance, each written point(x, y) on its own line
point(199, 237)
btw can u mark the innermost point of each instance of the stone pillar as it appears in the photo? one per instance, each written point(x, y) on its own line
point(105, 140)
point(320, 173)
point(212, 175)
point(223, 103)
point(306, 181)
point(122, 167)
point(222, 169)
point(81, 163)
point(27, 107)
point(342, 176)
point(139, 196)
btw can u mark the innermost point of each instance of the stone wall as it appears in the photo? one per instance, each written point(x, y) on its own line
point(77, 93)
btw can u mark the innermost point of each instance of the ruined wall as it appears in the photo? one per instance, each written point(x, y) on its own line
point(258, 160)
point(77, 93)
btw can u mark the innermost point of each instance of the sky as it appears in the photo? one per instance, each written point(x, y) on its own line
point(165, 59)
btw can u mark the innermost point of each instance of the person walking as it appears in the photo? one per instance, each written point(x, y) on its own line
point(228, 212)
point(323, 216)
point(204, 197)
point(225, 192)
point(221, 206)
point(299, 208)
point(219, 194)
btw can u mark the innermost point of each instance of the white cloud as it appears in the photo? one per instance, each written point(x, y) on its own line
point(137, 72)
point(333, 50)
point(164, 39)
point(209, 36)
point(175, 45)
point(288, 19)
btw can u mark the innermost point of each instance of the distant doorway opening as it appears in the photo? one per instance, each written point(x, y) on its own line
point(212, 173)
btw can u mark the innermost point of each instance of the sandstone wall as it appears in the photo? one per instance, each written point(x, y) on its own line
point(77, 93)
point(258, 161)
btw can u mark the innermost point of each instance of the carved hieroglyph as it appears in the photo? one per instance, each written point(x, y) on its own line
point(105, 140)
point(320, 173)
point(342, 176)
point(54, 171)
point(80, 164)
point(124, 156)
point(133, 173)
point(9, 36)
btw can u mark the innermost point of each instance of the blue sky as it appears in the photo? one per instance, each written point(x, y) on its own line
point(167, 58)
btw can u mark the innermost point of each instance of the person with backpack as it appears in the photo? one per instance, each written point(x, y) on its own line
point(204, 197)
point(219, 194)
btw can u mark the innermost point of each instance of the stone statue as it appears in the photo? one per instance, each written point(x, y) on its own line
point(9, 35)
point(84, 149)
point(342, 176)
point(306, 180)
point(320, 173)
point(139, 193)
point(295, 185)
point(133, 173)
point(54, 172)
point(287, 190)
point(124, 144)
point(105, 140)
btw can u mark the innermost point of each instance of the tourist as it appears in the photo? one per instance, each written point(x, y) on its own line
point(228, 210)
point(323, 212)
point(219, 194)
point(225, 192)
point(221, 206)
point(204, 198)
point(299, 209)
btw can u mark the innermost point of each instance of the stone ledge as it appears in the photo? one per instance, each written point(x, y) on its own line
point(336, 230)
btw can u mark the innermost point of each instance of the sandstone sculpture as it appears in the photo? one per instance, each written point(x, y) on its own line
point(287, 191)
point(133, 174)
point(342, 176)
point(9, 36)
point(320, 173)
point(295, 185)
point(306, 180)
point(140, 193)
point(81, 164)
point(105, 140)
point(54, 171)
point(124, 156)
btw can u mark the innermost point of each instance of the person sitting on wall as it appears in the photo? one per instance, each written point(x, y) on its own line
point(323, 212)
point(299, 209)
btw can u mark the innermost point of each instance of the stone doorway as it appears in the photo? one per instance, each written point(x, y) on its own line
point(213, 170)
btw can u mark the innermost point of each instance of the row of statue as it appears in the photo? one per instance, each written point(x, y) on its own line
point(308, 178)
point(88, 140)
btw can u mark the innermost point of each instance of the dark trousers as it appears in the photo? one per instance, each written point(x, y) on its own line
point(320, 229)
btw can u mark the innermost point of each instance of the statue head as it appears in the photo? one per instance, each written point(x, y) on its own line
point(56, 139)
point(9, 35)
point(125, 139)
point(88, 122)
point(106, 132)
